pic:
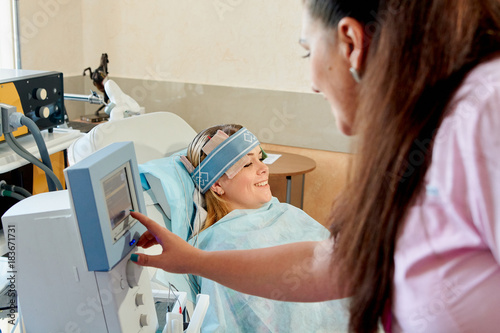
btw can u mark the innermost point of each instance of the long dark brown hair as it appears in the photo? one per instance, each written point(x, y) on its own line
point(419, 54)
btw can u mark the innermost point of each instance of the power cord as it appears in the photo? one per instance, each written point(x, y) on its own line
point(13, 191)
point(14, 188)
point(12, 120)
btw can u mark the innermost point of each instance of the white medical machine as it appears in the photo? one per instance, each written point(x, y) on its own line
point(71, 250)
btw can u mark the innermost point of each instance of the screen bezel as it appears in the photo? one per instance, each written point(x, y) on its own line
point(103, 251)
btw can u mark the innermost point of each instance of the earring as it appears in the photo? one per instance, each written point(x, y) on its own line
point(355, 74)
point(221, 192)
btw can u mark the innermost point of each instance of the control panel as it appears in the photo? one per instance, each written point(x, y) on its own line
point(39, 95)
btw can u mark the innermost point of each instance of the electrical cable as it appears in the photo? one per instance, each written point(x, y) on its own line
point(15, 120)
point(10, 194)
point(14, 145)
point(20, 190)
point(42, 147)
point(14, 188)
point(187, 200)
point(192, 282)
point(198, 194)
point(190, 279)
point(19, 149)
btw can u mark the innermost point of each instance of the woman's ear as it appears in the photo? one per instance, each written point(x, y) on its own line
point(217, 188)
point(352, 41)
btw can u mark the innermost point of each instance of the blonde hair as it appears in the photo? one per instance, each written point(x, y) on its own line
point(216, 207)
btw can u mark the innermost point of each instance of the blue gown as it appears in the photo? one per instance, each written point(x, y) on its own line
point(273, 224)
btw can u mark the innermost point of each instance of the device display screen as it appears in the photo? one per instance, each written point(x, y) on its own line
point(118, 193)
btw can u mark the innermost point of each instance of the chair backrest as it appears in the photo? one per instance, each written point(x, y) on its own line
point(155, 135)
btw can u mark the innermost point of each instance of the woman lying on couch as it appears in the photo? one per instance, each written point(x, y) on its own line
point(235, 210)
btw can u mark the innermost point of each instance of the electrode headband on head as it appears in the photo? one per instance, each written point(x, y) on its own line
point(225, 154)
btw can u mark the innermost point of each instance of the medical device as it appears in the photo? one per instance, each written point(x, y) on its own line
point(225, 154)
point(92, 98)
point(36, 94)
point(69, 250)
point(121, 105)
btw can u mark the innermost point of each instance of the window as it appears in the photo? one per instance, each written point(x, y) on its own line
point(6, 35)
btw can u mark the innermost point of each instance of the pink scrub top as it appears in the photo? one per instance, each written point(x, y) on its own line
point(447, 261)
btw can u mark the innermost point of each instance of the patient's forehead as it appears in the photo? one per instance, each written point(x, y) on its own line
point(255, 151)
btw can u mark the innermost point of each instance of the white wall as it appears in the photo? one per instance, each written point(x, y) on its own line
point(51, 35)
point(238, 43)
point(6, 36)
point(159, 49)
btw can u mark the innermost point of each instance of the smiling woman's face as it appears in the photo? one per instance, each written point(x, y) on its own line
point(329, 51)
point(249, 188)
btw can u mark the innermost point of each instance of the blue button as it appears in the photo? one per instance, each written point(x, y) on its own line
point(132, 242)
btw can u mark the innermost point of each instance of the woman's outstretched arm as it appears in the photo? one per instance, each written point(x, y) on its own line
point(292, 272)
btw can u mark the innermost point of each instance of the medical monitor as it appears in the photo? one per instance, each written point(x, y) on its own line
point(104, 188)
point(120, 200)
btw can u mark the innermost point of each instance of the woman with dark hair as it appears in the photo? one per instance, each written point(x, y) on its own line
point(416, 235)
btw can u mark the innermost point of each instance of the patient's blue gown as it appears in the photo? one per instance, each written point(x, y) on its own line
point(273, 224)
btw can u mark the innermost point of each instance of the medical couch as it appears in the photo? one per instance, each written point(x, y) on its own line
point(155, 135)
